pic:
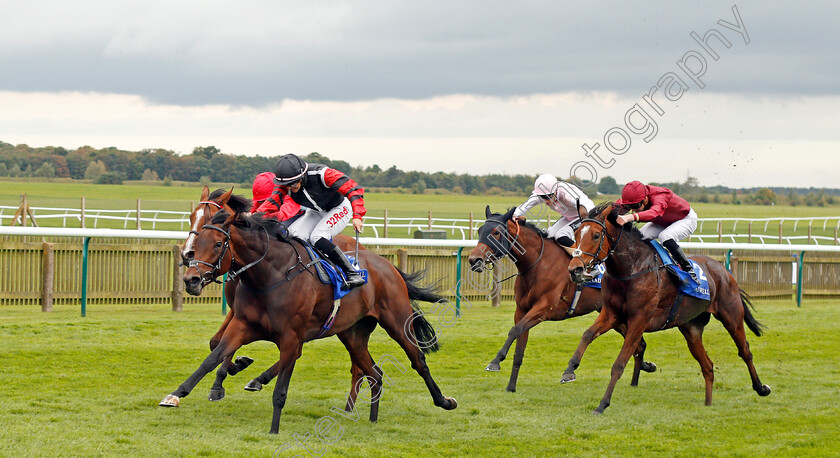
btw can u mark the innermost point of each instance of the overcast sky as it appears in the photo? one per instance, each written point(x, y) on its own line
point(469, 86)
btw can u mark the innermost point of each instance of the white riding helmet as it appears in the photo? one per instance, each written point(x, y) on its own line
point(546, 184)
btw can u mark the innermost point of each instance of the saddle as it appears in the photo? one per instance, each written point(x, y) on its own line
point(328, 273)
point(687, 286)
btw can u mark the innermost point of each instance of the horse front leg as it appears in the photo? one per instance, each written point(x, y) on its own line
point(236, 334)
point(635, 329)
point(228, 367)
point(522, 323)
point(518, 356)
point(290, 351)
point(605, 321)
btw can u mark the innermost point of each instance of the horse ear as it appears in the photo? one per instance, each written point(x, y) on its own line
point(582, 212)
point(487, 212)
point(230, 219)
point(205, 193)
point(223, 199)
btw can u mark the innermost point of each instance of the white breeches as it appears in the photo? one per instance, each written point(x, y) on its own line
point(562, 227)
point(314, 225)
point(678, 230)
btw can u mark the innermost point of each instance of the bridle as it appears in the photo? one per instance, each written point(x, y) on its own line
point(211, 275)
point(508, 244)
point(613, 243)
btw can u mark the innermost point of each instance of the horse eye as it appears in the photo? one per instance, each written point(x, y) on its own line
point(218, 244)
point(596, 235)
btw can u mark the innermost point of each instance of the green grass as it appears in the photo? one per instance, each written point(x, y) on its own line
point(90, 386)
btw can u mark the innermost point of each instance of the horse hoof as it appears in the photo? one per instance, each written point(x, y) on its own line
point(764, 391)
point(216, 394)
point(452, 403)
point(493, 367)
point(254, 385)
point(648, 367)
point(170, 401)
point(568, 378)
point(596, 413)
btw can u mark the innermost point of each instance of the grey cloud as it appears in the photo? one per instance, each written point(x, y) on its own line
point(255, 53)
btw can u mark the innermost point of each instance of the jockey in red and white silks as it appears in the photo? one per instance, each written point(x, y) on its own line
point(330, 199)
point(561, 197)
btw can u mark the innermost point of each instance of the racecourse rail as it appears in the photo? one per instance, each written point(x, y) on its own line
point(444, 248)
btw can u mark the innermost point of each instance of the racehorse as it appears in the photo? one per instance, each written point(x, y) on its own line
point(279, 299)
point(639, 296)
point(209, 205)
point(543, 289)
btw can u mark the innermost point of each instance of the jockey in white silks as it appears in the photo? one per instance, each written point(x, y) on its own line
point(561, 197)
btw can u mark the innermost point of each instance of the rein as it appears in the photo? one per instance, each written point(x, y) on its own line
point(508, 252)
point(211, 275)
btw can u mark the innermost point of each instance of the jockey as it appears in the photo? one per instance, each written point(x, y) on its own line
point(668, 216)
point(561, 197)
point(263, 190)
point(330, 200)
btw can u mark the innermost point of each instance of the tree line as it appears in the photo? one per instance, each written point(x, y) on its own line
point(207, 164)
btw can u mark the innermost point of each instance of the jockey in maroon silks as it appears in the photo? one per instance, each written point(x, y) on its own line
point(330, 200)
point(263, 190)
point(669, 217)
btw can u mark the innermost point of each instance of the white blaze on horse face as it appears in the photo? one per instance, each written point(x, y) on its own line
point(583, 231)
point(188, 246)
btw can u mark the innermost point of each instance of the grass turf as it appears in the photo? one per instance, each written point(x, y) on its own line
point(90, 386)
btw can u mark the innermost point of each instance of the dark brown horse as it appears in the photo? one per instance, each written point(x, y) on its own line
point(543, 289)
point(209, 204)
point(639, 295)
point(279, 299)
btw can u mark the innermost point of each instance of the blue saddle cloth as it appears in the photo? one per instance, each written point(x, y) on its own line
point(688, 286)
point(329, 274)
point(596, 282)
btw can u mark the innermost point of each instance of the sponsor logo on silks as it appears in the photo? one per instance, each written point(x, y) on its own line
point(700, 291)
point(596, 282)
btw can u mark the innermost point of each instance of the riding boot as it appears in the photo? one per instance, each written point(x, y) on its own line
point(354, 278)
point(681, 258)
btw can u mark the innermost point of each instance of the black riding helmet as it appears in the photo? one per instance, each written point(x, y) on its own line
point(289, 169)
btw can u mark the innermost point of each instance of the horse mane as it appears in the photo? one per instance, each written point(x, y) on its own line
point(630, 228)
point(239, 204)
point(275, 228)
point(509, 214)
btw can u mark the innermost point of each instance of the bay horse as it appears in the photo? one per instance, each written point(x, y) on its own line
point(280, 299)
point(639, 296)
point(209, 204)
point(543, 288)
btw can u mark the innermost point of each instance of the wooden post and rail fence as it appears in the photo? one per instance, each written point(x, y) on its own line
point(60, 266)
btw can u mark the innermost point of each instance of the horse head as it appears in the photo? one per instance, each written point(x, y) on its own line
point(595, 240)
point(209, 205)
point(212, 256)
point(502, 235)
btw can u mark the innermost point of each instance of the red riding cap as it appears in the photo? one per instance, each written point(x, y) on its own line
point(263, 186)
point(633, 193)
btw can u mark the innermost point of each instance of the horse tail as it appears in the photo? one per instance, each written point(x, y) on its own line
point(423, 331)
point(419, 293)
point(746, 300)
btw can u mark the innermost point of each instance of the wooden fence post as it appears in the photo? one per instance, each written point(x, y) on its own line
point(749, 232)
point(402, 259)
point(48, 279)
point(733, 266)
point(720, 231)
point(497, 288)
point(178, 281)
point(430, 219)
point(780, 230)
point(471, 226)
point(82, 213)
point(385, 224)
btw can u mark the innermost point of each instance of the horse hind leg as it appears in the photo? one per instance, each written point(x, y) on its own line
point(733, 319)
point(363, 367)
point(639, 363)
point(693, 333)
point(264, 378)
point(518, 356)
point(228, 367)
point(404, 327)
